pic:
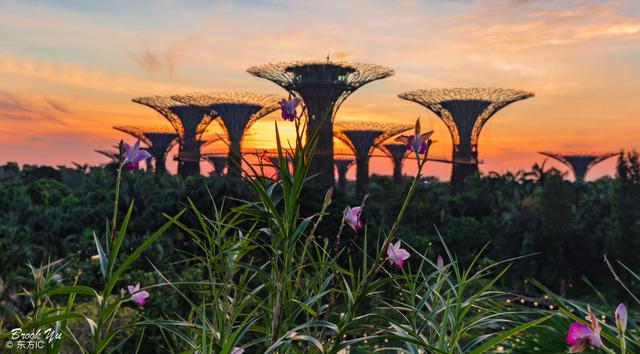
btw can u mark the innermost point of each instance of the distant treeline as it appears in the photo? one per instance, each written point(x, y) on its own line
point(49, 213)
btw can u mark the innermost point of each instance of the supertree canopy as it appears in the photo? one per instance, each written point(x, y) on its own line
point(159, 141)
point(343, 166)
point(189, 121)
point(238, 111)
point(219, 162)
point(397, 152)
point(465, 111)
point(113, 155)
point(323, 86)
point(362, 138)
point(580, 162)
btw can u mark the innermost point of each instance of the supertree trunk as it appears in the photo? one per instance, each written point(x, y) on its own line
point(160, 165)
point(234, 165)
point(322, 162)
point(461, 171)
point(362, 175)
point(189, 166)
point(342, 165)
point(397, 171)
point(342, 181)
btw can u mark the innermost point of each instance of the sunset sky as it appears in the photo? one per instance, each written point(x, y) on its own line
point(68, 69)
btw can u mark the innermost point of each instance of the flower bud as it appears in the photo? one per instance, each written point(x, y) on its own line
point(621, 318)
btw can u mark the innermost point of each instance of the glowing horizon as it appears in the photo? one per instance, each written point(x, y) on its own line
point(70, 69)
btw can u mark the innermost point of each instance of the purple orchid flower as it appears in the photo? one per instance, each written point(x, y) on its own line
point(137, 295)
point(397, 255)
point(439, 262)
point(288, 108)
point(237, 350)
point(418, 143)
point(133, 155)
point(352, 218)
point(580, 335)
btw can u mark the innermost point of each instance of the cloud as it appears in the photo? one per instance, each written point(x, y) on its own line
point(24, 109)
point(148, 60)
point(79, 76)
point(58, 106)
point(167, 59)
point(10, 103)
point(515, 26)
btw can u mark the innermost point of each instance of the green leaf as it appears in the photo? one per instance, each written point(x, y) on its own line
point(103, 257)
point(138, 252)
point(68, 289)
point(504, 335)
point(113, 253)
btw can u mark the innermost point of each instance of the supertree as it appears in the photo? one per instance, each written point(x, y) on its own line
point(343, 166)
point(323, 86)
point(189, 121)
point(397, 152)
point(219, 162)
point(465, 111)
point(362, 138)
point(238, 111)
point(113, 155)
point(580, 162)
point(159, 141)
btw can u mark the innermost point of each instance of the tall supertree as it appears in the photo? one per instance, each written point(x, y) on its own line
point(238, 111)
point(465, 111)
point(189, 121)
point(159, 140)
point(362, 138)
point(343, 166)
point(580, 162)
point(397, 152)
point(323, 86)
point(219, 162)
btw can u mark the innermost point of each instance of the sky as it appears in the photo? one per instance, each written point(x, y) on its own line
point(69, 68)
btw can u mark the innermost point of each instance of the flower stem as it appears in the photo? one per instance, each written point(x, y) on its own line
point(115, 204)
point(376, 266)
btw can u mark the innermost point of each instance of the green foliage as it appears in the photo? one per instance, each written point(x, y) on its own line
point(268, 265)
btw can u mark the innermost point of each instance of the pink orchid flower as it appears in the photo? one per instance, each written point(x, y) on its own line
point(137, 295)
point(288, 108)
point(397, 255)
point(237, 350)
point(133, 155)
point(417, 143)
point(439, 262)
point(352, 218)
point(580, 335)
